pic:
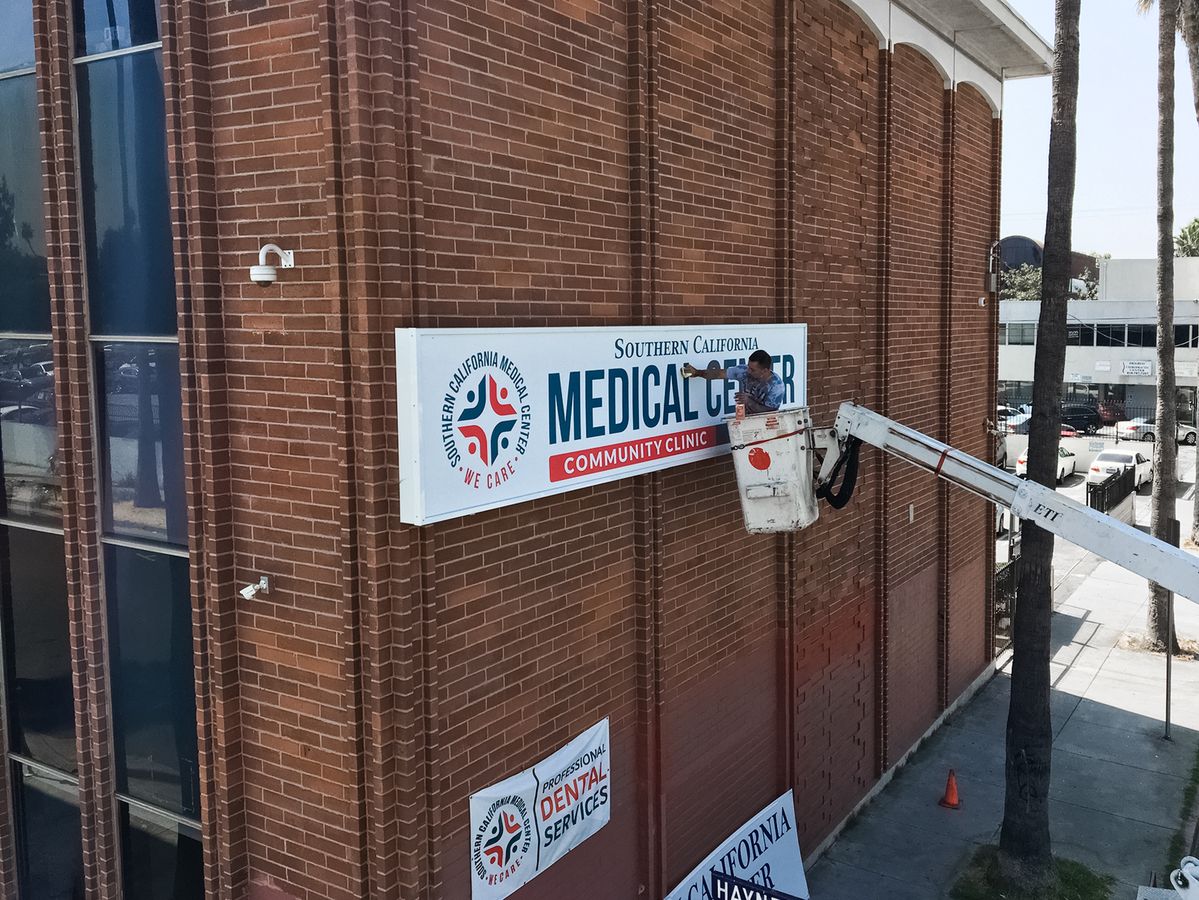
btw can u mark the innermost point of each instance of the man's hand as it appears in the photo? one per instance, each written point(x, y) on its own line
point(689, 370)
point(753, 406)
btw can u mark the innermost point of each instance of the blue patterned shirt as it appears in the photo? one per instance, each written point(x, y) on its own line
point(769, 394)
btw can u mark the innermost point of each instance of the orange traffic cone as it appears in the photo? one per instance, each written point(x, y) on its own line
point(950, 800)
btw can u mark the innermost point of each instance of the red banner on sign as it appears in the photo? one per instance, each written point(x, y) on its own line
point(578, 463)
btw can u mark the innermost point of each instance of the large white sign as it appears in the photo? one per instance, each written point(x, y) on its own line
point(492, 417)
point(764, 851)
point(526, 823)
point(1142, 367)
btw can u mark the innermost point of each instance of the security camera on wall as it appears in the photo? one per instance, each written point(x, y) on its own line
point(262, 586)
point(263, 274)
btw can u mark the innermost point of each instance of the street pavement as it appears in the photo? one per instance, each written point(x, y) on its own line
point(1116, 787)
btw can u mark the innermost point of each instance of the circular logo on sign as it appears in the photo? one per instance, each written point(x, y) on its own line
point(486, 419)
point(502, 841)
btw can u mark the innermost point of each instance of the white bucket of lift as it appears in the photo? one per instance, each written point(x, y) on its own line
point(772, 454)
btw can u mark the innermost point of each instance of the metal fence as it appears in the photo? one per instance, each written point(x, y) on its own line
point(1007, 577)
point(1112, 491)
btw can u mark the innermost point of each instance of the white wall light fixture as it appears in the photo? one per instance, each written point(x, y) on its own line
point(262, 274)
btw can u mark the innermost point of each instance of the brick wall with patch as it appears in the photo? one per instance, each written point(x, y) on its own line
point(554, 163)
point(971, 335)
point(916, 369)
point(838, 115)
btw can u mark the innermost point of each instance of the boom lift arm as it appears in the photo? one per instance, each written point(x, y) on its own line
point(1104, 536)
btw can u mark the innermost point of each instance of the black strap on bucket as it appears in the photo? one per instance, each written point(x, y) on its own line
point(848, 459)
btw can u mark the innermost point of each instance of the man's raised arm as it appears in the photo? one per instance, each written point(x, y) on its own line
point(706, 374)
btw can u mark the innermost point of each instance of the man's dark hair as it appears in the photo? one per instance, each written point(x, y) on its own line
point(762, 358)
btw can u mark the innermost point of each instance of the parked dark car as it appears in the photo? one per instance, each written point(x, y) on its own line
point(1082, 418)
point(13, 387)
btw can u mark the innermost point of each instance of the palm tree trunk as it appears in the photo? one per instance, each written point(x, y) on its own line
point(1190, 37)
point(1165, 449)
point(1025, 855)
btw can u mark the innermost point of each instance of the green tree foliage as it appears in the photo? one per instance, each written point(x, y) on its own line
point(1024, 283)
point(1187, 241)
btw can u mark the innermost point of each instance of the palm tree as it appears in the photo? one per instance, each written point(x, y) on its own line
point(1165, 450)
point(1025, 856)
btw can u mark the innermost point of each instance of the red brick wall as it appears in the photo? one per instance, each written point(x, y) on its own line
point(838, 107)
point(282, 372)
point(916, 382)
point(717, 250)
point(971, 335)
point(525, 189)
point(568, 163)
point(525, 162)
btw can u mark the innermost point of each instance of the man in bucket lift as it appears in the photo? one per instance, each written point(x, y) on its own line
point(761, 390)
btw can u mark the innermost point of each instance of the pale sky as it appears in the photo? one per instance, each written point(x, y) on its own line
point(1115, 198)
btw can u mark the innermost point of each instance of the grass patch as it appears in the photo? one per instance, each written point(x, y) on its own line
point(1178, 842)
point(1075, 881)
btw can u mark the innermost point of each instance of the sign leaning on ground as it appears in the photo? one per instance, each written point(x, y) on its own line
point(492, 417)
point(764, 852)
point(526, 823)
point(729, 887)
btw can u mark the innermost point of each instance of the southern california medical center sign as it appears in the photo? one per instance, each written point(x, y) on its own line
point(493, 417)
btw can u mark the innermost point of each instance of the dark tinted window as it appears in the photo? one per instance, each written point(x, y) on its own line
point(141, 433)
point(49, 846)
point(33, 591)
point(122, 137)
point(29, 459)
point(16, 36)
point(1184, 335)
point(153, 678)
point(162, 858)
point(1002, 333)
point(1080, 335)
point(102, 25)
point(24, 287)
point(1142, 335)
point(1109, 336)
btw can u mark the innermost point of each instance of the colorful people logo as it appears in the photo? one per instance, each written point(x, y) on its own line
point(487, 440)
point(502, 841)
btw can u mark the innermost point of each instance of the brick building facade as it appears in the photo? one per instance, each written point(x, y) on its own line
point(447, 163)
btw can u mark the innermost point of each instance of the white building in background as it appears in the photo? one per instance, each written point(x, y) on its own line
point(1110, 352)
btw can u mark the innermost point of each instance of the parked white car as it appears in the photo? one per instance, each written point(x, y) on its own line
point(1017, 424)
point(1111, 461)
point(1143, 429)
point(1066, 463)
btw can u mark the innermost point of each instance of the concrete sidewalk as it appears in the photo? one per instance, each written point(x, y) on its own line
point(1116, 788)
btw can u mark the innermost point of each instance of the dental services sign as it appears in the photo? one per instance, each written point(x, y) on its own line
point(526, 823)
point(492, 417)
